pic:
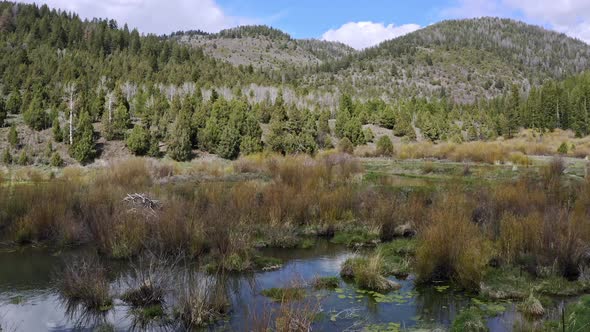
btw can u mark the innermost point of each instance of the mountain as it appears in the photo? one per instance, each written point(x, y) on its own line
point(464, 59)
point(265, 47)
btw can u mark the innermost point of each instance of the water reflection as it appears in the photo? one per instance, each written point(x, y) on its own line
point(29, 302)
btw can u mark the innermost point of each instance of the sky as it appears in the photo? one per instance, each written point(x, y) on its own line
point(359, 24)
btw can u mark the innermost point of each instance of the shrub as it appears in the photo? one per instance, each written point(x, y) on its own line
point(345, 146)
point(384, 146)
point(451, 247)
point(563, 148)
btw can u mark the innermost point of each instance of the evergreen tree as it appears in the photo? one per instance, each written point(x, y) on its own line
point(56, 131)
point(13, 104)
point(6, 157)
point(138, 141)
point(345, 146)
point(179, 143)
point(83, 147)
point(35, 116)
point(13, 136)
point(229, 142)
point(56, 160)
point(384, 146)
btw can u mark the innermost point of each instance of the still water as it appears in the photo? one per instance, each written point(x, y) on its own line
point(29, 301)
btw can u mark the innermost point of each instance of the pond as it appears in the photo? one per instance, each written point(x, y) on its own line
point(29, 301)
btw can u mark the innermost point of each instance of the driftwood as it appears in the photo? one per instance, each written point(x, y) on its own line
point(142, 202)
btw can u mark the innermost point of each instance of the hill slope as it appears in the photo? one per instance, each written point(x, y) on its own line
point(265, 47)
point(466, 59)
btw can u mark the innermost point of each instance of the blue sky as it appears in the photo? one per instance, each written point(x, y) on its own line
point(311, 18)
point(359, 24)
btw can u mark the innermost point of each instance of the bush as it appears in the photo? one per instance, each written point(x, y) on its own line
point(563, 148)
point(384, 146)
point(452, 247)
point(345, 146)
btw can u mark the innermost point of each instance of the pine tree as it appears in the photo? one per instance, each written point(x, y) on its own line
point(83, 149)
point(384, 146)
point(35, 116)
point(179, 144)
point(6, 157)
point(56, 131)
point(229, 142)
point(13, 136)
point(56, 160)
point(138, 141)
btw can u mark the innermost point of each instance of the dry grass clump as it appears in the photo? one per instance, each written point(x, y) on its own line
point(84, 282)
point(202, 300)
point(532, 307)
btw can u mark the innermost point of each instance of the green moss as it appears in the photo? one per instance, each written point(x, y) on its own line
point(326, 282)
point(151, 312)
point(266, 263)
point(397, 256)
point(284, 294)
point(307, 243)
point(355, 238)
point(558, 286)
point(506, 283)
point(470, 320)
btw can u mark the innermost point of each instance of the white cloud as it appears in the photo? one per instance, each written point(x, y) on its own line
point(568, 16)
point(154, 16)
point(365, 34)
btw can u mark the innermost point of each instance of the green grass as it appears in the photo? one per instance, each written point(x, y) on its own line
point(355, 238)
point(326, 282)
point(284, 294)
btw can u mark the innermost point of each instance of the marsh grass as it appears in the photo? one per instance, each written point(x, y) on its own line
point(84, 282)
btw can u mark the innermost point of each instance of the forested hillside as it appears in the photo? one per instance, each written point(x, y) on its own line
point(462, 59)
point(74, 90)
point(262, 46)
